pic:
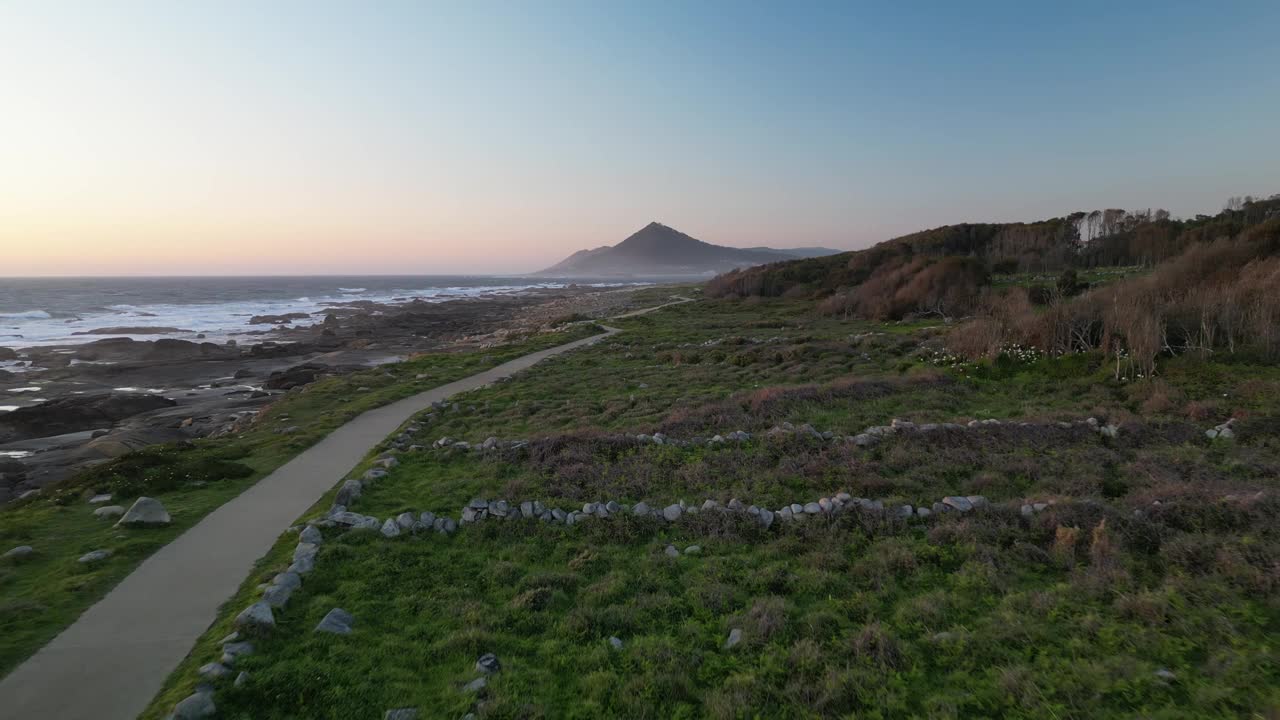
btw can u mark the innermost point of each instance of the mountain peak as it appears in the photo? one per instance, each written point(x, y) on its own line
point(658, 250)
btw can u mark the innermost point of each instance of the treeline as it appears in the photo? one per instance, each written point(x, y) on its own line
point(1080, 240)
point(944, 270)
point(1218, 296)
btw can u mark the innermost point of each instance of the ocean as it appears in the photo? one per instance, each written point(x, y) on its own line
point(59, 311)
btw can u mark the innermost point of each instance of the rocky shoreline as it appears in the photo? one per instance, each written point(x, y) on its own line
point(64, 408)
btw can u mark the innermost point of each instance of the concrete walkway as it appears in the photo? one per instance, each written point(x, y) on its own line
point(113, 660)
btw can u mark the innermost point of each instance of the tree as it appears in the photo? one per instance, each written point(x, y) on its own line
point(1069, 283)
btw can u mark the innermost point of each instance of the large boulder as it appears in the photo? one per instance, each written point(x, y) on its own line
point(76, 413)
point(145, 512)
point(257, 618)
point(19, 553)
point(295, 376)
point(336, 621)
point(195, 706)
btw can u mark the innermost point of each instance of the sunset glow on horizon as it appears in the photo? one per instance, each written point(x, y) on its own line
point(405, 137)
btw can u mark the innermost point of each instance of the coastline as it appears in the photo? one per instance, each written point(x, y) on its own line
point(69, 407)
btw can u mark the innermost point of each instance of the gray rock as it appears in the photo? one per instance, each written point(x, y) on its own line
point(233, 650)
point(977, 501)
point(406, 520)
point(641, 508)
point(95, 556)
point(958, 503)
point(559, 515)
point(241, 679)
point(736, 505)
point(213, 671)
point(349, 492)
point(735, 637)
point(1166, 674)
point(1038, 507)
point(401, 714)
point(904, 511)
point(304, 549)
point(196, 706)
point(428, 518)
point(374, 474)
point(336, 621)
point(19, 552)
point(693, 550)
point(766, 517)
point(256, 618)
point(797, 509)
point(672, 513)
point(488, 663)
point(615, 643)
point(277, 596)
point(231, 637)
point(671, 551)
point(145, 512)
point(923, 512)
point(526, 509)
point(99, 499)
point(303, 565)
point(812, 508)
point(476, 685)
point(612, 507)
point(311, 535)
point(390, 528)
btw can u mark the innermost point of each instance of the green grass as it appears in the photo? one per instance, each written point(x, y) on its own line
point(48, 590)
point(1069, 614)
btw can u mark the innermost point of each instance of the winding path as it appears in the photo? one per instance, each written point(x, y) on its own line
point(116, 656)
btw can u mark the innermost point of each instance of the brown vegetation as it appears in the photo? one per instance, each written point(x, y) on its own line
point(1220, 296)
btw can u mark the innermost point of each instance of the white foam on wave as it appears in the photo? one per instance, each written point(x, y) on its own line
point(15, 454)
point(33, 388)
point(221, 321)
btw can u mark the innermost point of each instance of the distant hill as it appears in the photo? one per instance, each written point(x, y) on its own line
point(943, 269)
point(660, 251)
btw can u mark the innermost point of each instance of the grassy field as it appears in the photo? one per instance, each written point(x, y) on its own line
point(44, 592)
point(1148, 588)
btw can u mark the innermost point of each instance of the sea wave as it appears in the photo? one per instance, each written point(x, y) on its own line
point(351, 290)
point(27, 315)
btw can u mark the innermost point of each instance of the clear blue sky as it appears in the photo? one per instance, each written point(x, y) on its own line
point(474, 136)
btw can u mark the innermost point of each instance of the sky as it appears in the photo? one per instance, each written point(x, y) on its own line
point(248, 137)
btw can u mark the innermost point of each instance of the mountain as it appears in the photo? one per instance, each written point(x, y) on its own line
point(660, 251)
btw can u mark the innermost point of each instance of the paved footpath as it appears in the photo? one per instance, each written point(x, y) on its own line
point(115, 657)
